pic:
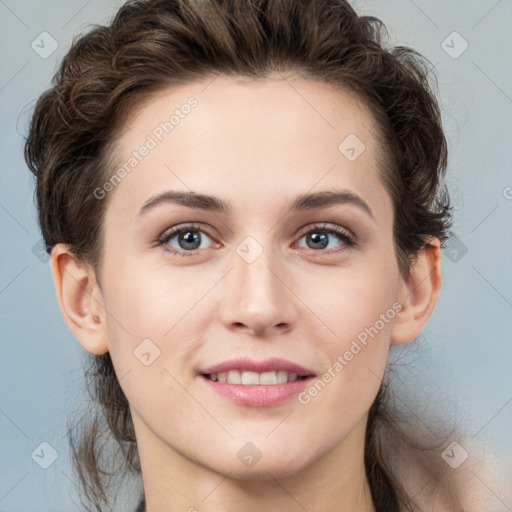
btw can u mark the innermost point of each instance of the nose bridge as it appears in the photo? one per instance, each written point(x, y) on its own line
point(256, 295)
point(252, 270)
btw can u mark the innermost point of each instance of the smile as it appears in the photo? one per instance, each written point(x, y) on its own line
point(254, 378)
point(254, 383)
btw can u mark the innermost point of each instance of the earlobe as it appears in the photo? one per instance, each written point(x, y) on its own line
point(419, 294)
point(80, 299)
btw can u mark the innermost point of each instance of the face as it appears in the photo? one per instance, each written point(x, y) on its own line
point(272, 282)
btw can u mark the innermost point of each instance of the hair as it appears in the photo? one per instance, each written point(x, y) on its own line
point(152, 45)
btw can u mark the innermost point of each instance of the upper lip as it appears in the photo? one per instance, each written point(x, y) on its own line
point(245, 364)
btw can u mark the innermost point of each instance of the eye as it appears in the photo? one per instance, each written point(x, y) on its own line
point(188, 239)
point(319, 237)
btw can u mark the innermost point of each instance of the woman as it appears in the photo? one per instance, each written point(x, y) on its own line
point(244, 208)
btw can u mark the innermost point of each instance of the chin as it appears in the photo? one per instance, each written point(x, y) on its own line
point(262, 467)
point(262, 472)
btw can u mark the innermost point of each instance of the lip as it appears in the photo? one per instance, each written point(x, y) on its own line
point(244, 364)
point(258, 395)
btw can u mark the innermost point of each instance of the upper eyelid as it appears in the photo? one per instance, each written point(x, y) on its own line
point(327, 226)
point(175, 230)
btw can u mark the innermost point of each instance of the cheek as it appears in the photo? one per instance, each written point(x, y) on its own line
point(152, 300)
point(352, 301)
point(153, 311)
point(358, 308)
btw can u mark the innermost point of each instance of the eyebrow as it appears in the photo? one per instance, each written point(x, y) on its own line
point(312, 201)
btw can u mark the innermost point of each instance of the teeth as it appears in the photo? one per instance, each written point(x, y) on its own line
point(254, 378)
point(282, 376)
point(250, 378)
point(268, 378)
point(234, 377)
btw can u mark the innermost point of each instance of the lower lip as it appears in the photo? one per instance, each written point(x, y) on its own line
point(258, 395)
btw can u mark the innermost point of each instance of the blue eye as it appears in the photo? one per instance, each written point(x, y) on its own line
point(318, 237)
point(189, 239)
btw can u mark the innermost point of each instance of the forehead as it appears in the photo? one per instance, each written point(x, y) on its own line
point(223, 134)
point(270, 104)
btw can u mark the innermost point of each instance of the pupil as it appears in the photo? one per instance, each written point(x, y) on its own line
point(319, 240)
point(322, 239)
point(191, 237)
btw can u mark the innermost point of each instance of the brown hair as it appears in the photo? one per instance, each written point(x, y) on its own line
point(151, 45)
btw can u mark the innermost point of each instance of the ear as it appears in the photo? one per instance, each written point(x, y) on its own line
point(418, 295)
point(80, 299)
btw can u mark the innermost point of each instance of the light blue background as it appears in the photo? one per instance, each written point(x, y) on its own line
point(464, 358)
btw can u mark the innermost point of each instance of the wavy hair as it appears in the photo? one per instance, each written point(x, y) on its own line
point(151, 45)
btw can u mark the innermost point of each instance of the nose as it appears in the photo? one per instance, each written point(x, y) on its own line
point(257, 297)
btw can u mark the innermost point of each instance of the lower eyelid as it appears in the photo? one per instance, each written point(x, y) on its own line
point(164, 240)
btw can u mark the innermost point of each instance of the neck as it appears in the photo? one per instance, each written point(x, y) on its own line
point(335, 480)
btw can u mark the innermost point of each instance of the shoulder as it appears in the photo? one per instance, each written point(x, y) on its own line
point(463, 476)
point(486, 479)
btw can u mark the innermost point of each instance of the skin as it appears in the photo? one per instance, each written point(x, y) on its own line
point(257, 145)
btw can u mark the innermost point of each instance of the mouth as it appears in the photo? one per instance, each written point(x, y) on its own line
point(257, 383)
point(247, 378)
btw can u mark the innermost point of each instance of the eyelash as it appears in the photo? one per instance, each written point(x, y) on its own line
point(348, 240)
